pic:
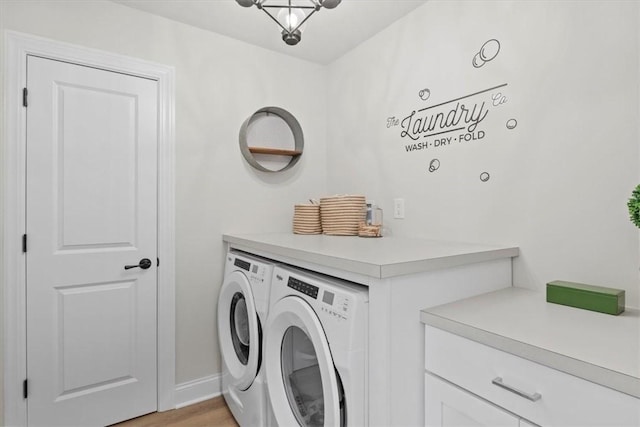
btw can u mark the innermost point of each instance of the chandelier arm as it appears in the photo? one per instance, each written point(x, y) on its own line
point(303, 21)
point(276, 21)
point(286, 7)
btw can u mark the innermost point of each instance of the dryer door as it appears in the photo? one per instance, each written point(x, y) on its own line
point(304, 387)
point(239, 330)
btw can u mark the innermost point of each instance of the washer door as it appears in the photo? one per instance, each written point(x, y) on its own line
point(239, 330)
point(303, 385)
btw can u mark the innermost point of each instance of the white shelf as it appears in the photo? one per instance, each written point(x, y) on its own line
point(378, 258)
point(601, 348)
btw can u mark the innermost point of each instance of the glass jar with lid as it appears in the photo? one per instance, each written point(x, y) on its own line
point(372, 225)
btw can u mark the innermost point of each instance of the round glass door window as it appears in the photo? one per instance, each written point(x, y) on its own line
point(302, 379)
point(240, 327)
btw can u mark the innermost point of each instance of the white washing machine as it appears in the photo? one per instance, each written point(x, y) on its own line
point(243, 306)
point(315, 347)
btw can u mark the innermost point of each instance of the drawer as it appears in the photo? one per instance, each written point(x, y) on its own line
point(449, 406)
point(565, 400)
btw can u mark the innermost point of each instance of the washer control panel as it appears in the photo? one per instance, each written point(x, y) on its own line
point(245, 265)
point(303, 287)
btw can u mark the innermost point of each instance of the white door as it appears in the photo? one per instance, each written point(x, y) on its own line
point(91, 210)
point(239, 330)
point(447, 405)
point(304, 388)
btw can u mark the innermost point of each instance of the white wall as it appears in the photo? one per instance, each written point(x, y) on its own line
point(559, 181)
point(2, 285)
point(219, 83)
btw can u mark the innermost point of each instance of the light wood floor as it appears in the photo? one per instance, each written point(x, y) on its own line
point(210, 413)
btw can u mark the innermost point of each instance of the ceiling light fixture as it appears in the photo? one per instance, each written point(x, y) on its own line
point(291, 17)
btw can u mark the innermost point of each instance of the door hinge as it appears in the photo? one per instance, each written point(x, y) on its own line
point(24, 243)
point(25, 93)
point(158, 262)
point(25, 389)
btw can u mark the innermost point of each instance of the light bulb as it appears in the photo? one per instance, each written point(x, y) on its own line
point(291, 18)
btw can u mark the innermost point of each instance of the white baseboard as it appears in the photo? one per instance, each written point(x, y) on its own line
point(198, 390)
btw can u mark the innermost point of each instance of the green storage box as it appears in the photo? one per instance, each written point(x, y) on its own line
point(588, 297)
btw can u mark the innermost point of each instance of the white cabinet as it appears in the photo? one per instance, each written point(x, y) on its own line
point(519, 387)
point(403, 276)
point(447, 405)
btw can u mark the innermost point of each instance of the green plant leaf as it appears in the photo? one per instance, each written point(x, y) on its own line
point(634, 206)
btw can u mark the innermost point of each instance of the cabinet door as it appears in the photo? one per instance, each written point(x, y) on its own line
point(447, 405)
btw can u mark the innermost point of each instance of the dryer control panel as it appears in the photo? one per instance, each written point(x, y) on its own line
point(255, 272)
point(303, 287)
point(335, 304)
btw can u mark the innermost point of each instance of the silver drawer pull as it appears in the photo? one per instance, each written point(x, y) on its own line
point(532, 397)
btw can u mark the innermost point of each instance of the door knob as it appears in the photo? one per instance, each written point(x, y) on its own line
point(144, 264)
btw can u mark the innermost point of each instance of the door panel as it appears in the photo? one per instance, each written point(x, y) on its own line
point(91, 210)
point(96, 138)
point(91, 304)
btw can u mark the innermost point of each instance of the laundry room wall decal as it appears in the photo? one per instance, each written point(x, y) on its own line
point(453, 122)
point(487, 52)
point(429, 126)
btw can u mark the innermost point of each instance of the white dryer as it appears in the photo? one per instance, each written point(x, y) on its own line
point(243, 306)
point(315, 345)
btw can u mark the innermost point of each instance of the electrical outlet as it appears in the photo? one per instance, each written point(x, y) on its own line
point(398, 208)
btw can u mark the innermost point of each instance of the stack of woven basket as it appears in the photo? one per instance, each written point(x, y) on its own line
point(306, 219)
point(342, 215)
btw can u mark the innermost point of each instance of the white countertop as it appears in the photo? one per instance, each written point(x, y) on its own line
point(601, 348)
point(375, 257)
